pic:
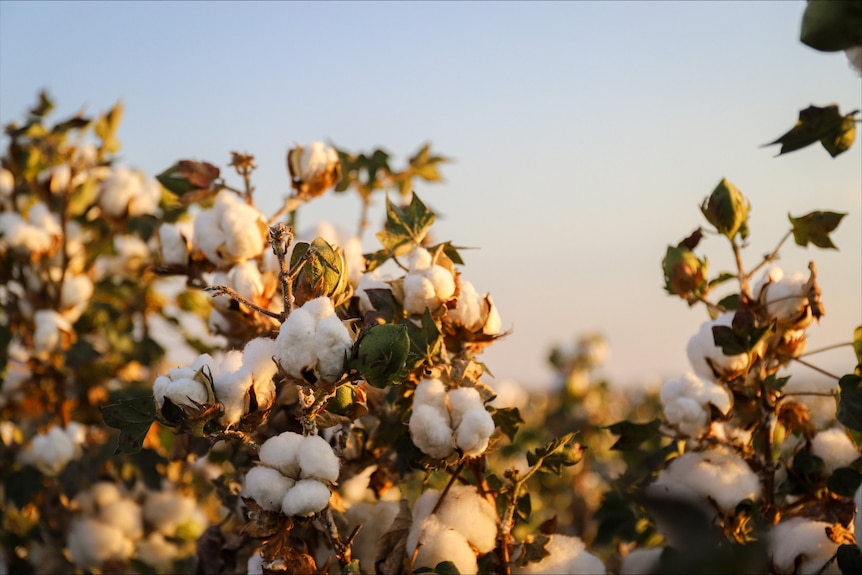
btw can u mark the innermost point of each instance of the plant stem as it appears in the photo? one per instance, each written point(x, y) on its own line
point(810, 366)
point(771, 256)
point(744, 294)
point(827, 348)
point(231, 293)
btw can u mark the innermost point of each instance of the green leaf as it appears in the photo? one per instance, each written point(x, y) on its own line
point(850, 401)
point(523, 508)
point(534, 550)
point(383, 302)
point(43, 107)
point(814, 124)
point(633, 434)
point(381, 354)
point(450, 251)
point(133, 418)
point(857, 344)
point(743, 336)
point(405, 226)
point(559, 453)
point(844, 481)
point(830, 26)
point(722, 277)
point(106, 128)
point(425, 340)
point(508, 420)
point(841, 139)
point(424, 165)
point(731, 302)
point(775, 382)
point(815, 228)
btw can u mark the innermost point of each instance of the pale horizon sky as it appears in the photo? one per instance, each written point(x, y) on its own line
point(584, 136)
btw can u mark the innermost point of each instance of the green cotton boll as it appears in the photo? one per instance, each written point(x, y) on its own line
point(830, 26)
point(343, 400)
point(381, 354)
point(323, 274)
point(684, 273)
point(727, 209)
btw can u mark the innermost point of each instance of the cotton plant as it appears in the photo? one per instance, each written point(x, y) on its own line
point(745, 453)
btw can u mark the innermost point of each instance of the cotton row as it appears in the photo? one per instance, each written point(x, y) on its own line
point(442, 421)
point(293, 474)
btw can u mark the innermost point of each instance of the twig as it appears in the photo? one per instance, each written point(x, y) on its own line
point(810, 366)
point(771, 256)
point(827, 348)
point(342, 549)
point(231, 293)
point(436, 508)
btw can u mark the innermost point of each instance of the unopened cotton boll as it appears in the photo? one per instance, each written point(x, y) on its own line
point(430, 431)
point(317, 460)
point(716, 474)
point(442, 543)
point(568, 556)
point(801, 546)
point(333, 344)
point(707, 359)
point(281, 452)
point(474, 432)
point(305, 498)
point(267, 487)
point(835, 448)
point(91, 543)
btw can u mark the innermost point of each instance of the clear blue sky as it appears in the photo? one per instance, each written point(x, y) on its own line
point(584, 134)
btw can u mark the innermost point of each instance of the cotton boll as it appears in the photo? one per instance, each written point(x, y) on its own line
point(257, 357)
point(49, 452)
point(430, 431)
point(442, 543)
point(105, 493)
point(418, 260)
point(91, 543)
point(802, 540)
point(493, 323)
point(419, 294)
point(376, 519)
point(462, 400)
point(474, 432)
point(50, 328)
point(117, 190)
point(306, 498)
point(471, 515)
point(294, 347)
point(157, 552)
point(187, 392)
point(641, 561)
point(369, 281)
point(443, 282)
point(686, 402)
point(242, 225)
point(125, 515)
point(719, 475)
point(281, 452)
point(267, 487)
point(319, 308)
point(245, 278)
point(209, 237)
point(835, 448)
point(317, 460)
point(707, 359)
point(333, 344)
point(785, 297)
point(75, 295)
point(165, 511)
point(231, 390)
point(431, 392)
point(567, 557)
point(686, 415)
point(468, 309)
point(175, 243)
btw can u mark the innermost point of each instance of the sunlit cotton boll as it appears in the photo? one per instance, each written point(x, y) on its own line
point(176, 241)
point(91, 543)
point(835, 448)
point(157, 552)
point(52, 451)
point(267, 487)
point(168, 510)
point(129, 192)
point(231, 390)
point(441, 543)
point(431, 392)
point(51, 328)
point(474, 432)
point(568, 556)
point(800, 546)
point(460, 401)
point(295, 347)
point(305, 498)
point(785, 296)
point(75, 296)
point(332, 344)
point(317, 460)
point(231, 231)
point(281, 452)
point(470, 514)
point(430, 431)
point(376, 519)
point(686, 402)
point(715, 474)
point(125, 515)
point(707, 359)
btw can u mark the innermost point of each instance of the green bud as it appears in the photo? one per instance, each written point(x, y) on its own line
point(343, 400)
point(324, 273)
point(727, 210)
point(684, 273)
point(381, 354)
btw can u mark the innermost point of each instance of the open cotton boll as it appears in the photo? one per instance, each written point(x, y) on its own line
point(441, 543)
point(418, 259)
point(305, 498)
point(319, 308)
point(50, 328)
point(75, 295)
point(802, 542)
point(231, 390)
point(443, 282)
point(317, 460)
point(468, 309)
point(20, 235)
point(785, 296)
point(431, 392)
point(125, 515)
point(716, 474)
point(835, 448)
point(568, 556)
point(641, 561)
point(294, 347)
point(474, 432)
point(166, 510)
point(430, 431)
point(245, 278)
point(175, 242)
point(460, 401)
point(686, 415)
point(91, 543)
point(208, 236)
point(187, 392)
point(257, 357)
point(376, 519)
point(333, 344)
point(243, 226)
point(50, 452)
point(470, 514)
point(281, 452)
point(419, 294)
point(707, 359)
point(686, 402)
point(267, 487)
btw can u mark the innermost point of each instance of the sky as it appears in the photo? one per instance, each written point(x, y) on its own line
point(583, 137)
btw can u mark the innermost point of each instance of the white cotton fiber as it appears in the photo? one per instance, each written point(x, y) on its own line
point(281, 452)
point(305, 498)
point(472, 515)
point(333, 344)
point(430, 431)
point(317, 460)
point(474, 432)
point(442, 543)
point(430, 392)
point(294, 346)
point(91, 543)
point(835, 448)
point(267, 487)
point(707, 359)
point(567, 557)
point(804, 542)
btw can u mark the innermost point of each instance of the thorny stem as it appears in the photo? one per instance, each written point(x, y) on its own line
point(231, 293)
point(771, 256)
